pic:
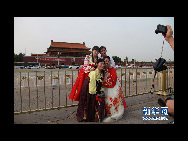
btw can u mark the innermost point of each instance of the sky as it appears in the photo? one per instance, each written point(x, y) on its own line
point(133, 37)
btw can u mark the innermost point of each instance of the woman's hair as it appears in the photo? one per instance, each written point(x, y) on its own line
point(100, 60)
point(102, 48)
point(107, 57)
point(95, 48)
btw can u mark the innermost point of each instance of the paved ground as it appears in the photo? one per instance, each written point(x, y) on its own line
point(133, 113)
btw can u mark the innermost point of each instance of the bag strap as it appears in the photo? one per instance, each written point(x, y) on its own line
point(156, 66)
point(162, 48)
point(152, 87)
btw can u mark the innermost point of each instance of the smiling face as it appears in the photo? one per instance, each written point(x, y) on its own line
point(107, 62)
point(95, 53)
point(103, 52)
point(100, 66)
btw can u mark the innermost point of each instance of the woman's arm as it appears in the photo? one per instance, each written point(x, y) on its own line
point(112, 63)
point(111, 79)
point(168, 37)
point(86, 66)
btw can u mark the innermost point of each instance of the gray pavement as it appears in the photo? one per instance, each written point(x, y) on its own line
point(133, 113)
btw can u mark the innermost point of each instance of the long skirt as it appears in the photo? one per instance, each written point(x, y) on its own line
point(89, 109)
point(75, 93)
point(115, 103)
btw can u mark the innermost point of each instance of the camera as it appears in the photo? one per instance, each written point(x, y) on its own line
point(161, 29)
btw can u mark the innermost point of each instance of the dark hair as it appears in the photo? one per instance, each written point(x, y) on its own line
point(100, 60)
point(95, 48)
point(107, 57)
point(102, 48)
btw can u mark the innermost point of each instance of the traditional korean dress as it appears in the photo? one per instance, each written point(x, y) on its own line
point(91, 108)
point(84, 71)
point(114, 102)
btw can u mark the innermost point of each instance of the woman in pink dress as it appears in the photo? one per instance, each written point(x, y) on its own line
point(89, 65)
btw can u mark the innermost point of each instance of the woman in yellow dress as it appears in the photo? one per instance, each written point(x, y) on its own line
point(91, 107)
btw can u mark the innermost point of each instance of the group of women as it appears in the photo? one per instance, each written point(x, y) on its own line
point(98, 89)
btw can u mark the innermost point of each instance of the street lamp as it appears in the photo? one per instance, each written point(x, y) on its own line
point(37, 58)
point(58, 57)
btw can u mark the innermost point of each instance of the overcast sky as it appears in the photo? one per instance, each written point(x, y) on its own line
point(133, 37)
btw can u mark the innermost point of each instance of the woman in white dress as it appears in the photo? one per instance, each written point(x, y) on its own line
point(114, 101)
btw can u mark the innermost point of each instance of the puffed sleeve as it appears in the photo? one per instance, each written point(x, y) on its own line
point(112, 63)
point(92, 84)
point(111, 79)
point(86, 66)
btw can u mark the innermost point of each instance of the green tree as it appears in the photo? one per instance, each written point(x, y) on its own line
point(116, 59)
point(18, 57)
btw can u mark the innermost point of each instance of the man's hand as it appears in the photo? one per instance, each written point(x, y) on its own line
point(168, 37)
point(170, 105)
point(169, 33)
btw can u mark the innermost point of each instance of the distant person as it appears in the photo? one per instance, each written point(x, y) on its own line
point(169, 38)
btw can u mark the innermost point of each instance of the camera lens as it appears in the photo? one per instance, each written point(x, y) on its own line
point(156, 31)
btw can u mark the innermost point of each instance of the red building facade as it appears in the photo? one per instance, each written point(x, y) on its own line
point(62, 52)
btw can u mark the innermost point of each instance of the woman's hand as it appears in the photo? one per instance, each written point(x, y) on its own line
point(92, 69)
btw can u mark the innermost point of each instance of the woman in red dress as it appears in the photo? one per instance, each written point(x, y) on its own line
point(89, 65)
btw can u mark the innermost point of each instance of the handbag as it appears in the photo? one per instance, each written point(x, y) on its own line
point(159, 65)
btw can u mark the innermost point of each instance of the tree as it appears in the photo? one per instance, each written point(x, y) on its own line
point(18, 57)
point(116, 59)
point(132, 61)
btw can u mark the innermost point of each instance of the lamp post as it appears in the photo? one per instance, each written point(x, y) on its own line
point(58, 57)
point(37, 58)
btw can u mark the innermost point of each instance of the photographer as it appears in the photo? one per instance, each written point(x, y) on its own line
point(169, 38)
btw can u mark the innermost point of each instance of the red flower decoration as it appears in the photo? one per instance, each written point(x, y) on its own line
point(98, 99)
